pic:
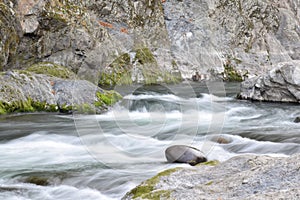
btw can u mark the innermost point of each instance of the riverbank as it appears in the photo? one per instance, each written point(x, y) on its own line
point(241, 177)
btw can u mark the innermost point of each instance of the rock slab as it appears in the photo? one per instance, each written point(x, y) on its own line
point(241, 177)
point(281, 84)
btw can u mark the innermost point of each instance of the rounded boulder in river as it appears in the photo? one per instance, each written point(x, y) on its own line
point(184, 154)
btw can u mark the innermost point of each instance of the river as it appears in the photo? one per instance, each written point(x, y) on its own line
point(103, 156)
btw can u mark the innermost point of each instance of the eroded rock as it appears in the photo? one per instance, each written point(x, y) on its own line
point(281, 84)
point(241, 177)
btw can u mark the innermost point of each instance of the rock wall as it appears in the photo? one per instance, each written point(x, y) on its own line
point(248, 36)
point(229, 39)
point(85, 36)
point(281, 84)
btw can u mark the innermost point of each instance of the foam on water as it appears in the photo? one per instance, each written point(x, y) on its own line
point(115, 151)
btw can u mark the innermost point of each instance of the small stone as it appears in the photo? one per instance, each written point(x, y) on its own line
point(184, 154)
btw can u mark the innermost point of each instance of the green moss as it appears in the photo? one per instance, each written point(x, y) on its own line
point(174, 64)
point(51, 70)
point(107, 98)
point(25, 106)
point(144, 55)
point(119, 73)
point(147, 189)
point(209, 183)
point(85, 109)
point(210, 163)
point(2, 109)
point(230, 74)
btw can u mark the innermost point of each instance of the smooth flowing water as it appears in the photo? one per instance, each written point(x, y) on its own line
point(103, 156)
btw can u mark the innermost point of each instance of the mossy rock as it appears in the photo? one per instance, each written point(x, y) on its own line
point(147, 189)
point(107, 98)
point(144, 55)
point(230, 74)
point(117, 73)
point(51, 70)
point(26, 106)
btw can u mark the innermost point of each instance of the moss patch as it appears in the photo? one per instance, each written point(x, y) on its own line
point(144, 64)
point(147, 189)
point(117, 73)
point(107, 98)
point(144, 55)
point(51, 70)
point(26, 106)
point(230, 74)
point(210, 163)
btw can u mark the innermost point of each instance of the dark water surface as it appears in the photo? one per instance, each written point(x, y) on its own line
point(104, 156)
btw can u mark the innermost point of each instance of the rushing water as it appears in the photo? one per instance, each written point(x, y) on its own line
point(104, 156)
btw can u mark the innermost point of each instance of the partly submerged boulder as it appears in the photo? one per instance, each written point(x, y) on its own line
point(281, 84)
point(184, 154)
point(297, 120)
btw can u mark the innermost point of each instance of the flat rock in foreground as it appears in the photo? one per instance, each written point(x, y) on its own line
point(241, 177)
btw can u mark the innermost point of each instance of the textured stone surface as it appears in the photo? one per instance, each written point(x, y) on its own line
point(241, 177)
point(248, 37)
point(24, 90)
point(251, 36)
point(281, 84)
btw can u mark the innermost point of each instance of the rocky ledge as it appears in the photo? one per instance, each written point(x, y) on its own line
point(281, 84)
point(241, 177)
point(53, 88)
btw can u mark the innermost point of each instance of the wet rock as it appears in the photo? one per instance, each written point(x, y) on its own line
point(297, 120)
point(221, 139)
point(280, 84)
point(241, 177)
point(42, 181)
point(184, 154)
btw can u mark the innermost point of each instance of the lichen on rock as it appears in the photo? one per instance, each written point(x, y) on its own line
point(147, 190)
point(52, 69)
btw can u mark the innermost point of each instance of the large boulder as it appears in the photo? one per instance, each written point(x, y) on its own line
point(281, 84)
point(27, 91)
point(184, 154)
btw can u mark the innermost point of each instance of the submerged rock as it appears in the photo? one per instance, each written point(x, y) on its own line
point(281, 84)
point(241, 177)
point(184, 154)
point(42, 181)
point(297, 120)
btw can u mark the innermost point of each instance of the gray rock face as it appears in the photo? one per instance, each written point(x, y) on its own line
point(241, 177)
point(85, 36)
point(281, 84)
point(207, 36)
point(251, 36)
point(184, 154)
